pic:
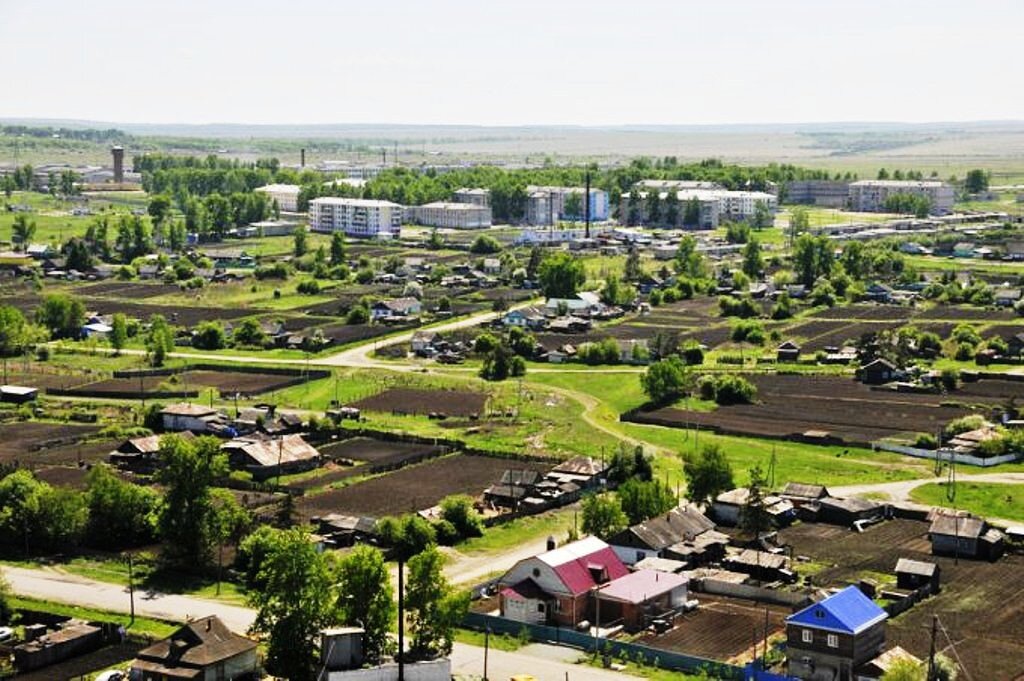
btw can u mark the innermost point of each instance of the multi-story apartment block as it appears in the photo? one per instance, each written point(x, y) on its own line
point(356, 217)
point(666, 185)
point(559, 197)
point(452, 215)
point(476, 197)
point(539, 210)
point(716, 206)
point(827, 193)
point(286, 195)
point(870, 195)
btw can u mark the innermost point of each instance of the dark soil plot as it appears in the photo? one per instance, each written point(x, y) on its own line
point(342, 334)
point(812, 329)
point(305, 322)
point(1004, 331)
point(120, 289)
point(64, 476)
point(372, 450)
point(557, 340)
point(867, 313)
point(414, 488)
point(942, 329)
point(119, 386)
point(851, 332)
point(177, 315)
point(44, 380)
point(72, 454)
point(988, 389)
point(231, 382)
point(711, 337)
point(789, 406)
point(972, 591)
point(417, 401)
point(720, 629)
point(18, 441)
point(967, 314)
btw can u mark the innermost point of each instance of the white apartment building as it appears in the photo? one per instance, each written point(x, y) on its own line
point(365, 218)
point(716, 206)
point(286, 195)
point(557, 197)
point(666, 185)
point(740, 206)
point(869, 196)
point(476, 196)
point(452, 215)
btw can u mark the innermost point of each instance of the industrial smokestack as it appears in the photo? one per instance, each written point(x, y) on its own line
point(586, 204)
point(118, 153)
point(302, 158)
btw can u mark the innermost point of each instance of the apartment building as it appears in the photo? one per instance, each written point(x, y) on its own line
point(286, 195)
point(869, 196)
point(827, 193)
point(365, 218)
point(716, 206)
point(678, 185)
point(557, 198)
point(452, 215)
point(740, 206)
point(473, 196)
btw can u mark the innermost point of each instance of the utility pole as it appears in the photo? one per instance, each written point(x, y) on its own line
point(401, 620)
point(586, 205)
point(131, 589)
point(931, 652)
point(487, 643)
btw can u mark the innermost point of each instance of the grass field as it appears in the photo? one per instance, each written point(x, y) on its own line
point(143, 626)
point(989, 500)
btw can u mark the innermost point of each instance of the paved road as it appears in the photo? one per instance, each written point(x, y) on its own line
point(900, 491)
point(547, 663)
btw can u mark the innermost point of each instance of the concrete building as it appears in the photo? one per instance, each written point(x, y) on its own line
point(827, 193)
point(668, 185)
point(473, 196)
point(557, 198)
point(715, 206)
point(356, 217)
point(286, 195)
point(452, 215)
point(869, 196)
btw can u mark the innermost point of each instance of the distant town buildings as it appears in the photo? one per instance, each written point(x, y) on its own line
point(826, 193)
point(286, 195)
point(356, 217)
point(870, 195)
point(475, 196)
point(714, 206)
point(452, 215)
point(547, 205)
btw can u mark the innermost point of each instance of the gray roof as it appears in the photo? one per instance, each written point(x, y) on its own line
point(953, 526)
point(802, 490)
point(680, 524)
point(852, 504)
point(916, 567)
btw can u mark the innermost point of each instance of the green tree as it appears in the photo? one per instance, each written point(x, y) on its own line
point(603, 516)
point(633, 270)
point(691, 212)
point(121, 514)
point(300, 242)
point(799, 222)
point(366, 598)
point(762, 216)
point(249, 333)
point(6, 611)
point(754, 517)
point(209, 335)
point(458, 510)
point(32, 513)
point(561, 275)
point(812, 258)
point(572, 209)
point(666, 380)
point(689, 261)
point(118, 332)
point(976, 181)
point(159, 340)
point(188, 471)
point(61, 315)
point(435, 608)
point(708, 474)
point(294, 604)
point(484, 244)
point(23, 231)
point(753, 263)
point(642, 499)
point(17, 335)
point(337, 249)
point(159, 208)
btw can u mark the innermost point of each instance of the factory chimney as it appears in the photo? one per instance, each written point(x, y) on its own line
point(118, 153)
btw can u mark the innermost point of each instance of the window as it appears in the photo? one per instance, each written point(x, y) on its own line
point(536, 572)
point(540, 607)
point(640, 555)
point(833, 641)
point(807, 636)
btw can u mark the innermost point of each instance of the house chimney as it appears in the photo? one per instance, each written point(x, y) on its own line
point(209, 623)
point(552, 544)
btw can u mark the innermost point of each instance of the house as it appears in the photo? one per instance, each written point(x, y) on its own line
point(555, 586)
point(832, 638)
point(570, 324)
point(761, 565)
point(640, 597)
point(963, 249)
point(913, 574)
point(422, 340)
point(965, 537)
point(492, 266)
point(526, 318)
point(797, 291)
point(141, 453)
point(799, 493)
point(585, 471)
point(970, 442)
point(191, 417)
point(913, 248)
point(585, 304)
point(399, 307)
point(43, 648)
point(1015, 345)
point(877, 668)
point(848, 511)
point(18, 394)
point(654, 537)
point(204, 649)
point(96, 330)
point(40, 251)
point(728, 506)
point(1007, 297)
point(346, 530)
point(879, 293)
point(661, 565)
point(787, 352)
point(264, 457)
point(878, 371)
point(843, 355)
point(516, 485)
point(1015, 250)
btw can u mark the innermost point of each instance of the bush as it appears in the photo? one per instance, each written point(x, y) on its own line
point(693, 353)
point(744, 307)
point(276, 271)
point(963, 425)
point(309, 287)
point(359, 314)
point(926, 441)
point(748, 331)
point(605, 351)
point(726, 389)
point(485, 244)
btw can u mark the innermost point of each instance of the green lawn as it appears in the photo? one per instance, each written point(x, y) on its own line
point(520, 531)
point(986, 499)
point(143, 626)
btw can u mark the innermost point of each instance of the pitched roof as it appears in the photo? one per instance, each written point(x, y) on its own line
point(803, 490)
point(851, 504)
point(960, 526)
point(187, 409)
point(916, 567)
point(200, 643)
point(848, 611)
point(577, 563)
point(680, 524)
point(641, 586)
point(268, 452)
point(581, 465)
point(525, 590)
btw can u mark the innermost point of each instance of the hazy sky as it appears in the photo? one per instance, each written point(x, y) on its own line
point(497, 62)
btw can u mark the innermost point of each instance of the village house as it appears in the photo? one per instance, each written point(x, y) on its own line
point(141, 453)
point(660, 537)
point(964, 536)
point(728, 506)
point(585, 471)
point(516, 485)
point(1007, 297)
point(848, 511)
point(877, 668)
point(639, 597)
point(800, 493)
point(265, 457)
point(585, 304)
point(760, 565)
point(556, 586)
point(342, 530)
point(423, 340)
point(913, 574)
point(525, 318)
point(831, 639)
point(879, 293)
point(202, 650)
point(787, 352)
point(397, 308)
point(18, 394)
point(878, 372)
point(191, 417)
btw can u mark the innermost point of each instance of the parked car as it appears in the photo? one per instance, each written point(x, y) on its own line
point(6, 634)
point(112, 675)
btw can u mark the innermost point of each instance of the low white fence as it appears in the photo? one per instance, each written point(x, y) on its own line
point(946, 456)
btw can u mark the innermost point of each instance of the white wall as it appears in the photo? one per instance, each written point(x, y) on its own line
point(435, 670)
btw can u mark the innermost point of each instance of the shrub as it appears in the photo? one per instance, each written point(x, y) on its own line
point(926, 441)
point(726, 389)
point(309, 287)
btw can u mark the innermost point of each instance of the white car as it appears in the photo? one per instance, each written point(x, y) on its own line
point(112, 675)
point(6, 634)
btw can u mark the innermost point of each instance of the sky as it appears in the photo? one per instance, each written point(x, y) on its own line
point(497, 62)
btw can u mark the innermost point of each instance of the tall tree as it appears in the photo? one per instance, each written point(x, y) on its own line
point(708, 474)
point(366, 598)
point(561, 275)
point(301, 242)
point(121, 514)
point(294, 604)
point(62, 315)
point(603, 516)
point(762, 216)
point(337, 249)
point(753, 262)
point(22, 231)
point(643, 500)
point(118, 331)
point(754, 517)
point(435, 608)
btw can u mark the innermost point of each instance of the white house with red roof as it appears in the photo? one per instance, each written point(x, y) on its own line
point(557, 586)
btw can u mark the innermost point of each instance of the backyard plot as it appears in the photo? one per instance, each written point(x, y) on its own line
point(414, 488)
point(20, 441)
point(415, 401)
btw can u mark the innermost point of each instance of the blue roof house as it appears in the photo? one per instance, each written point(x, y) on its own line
point(833, 638)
